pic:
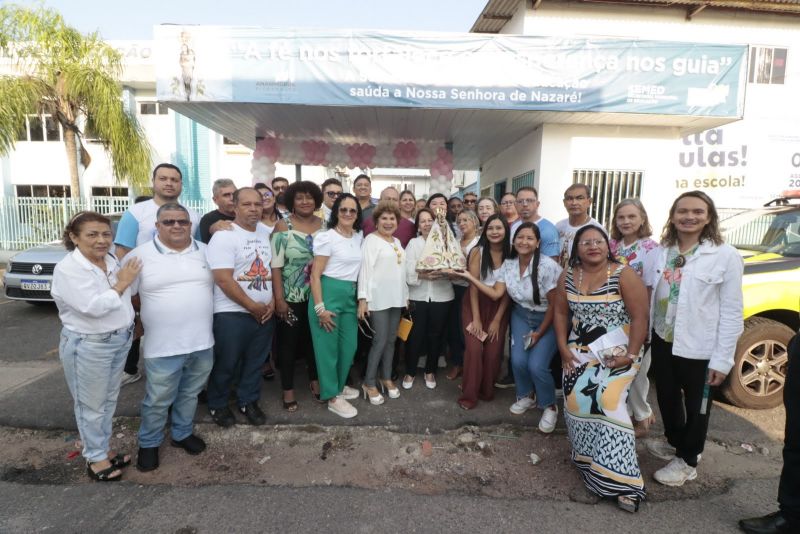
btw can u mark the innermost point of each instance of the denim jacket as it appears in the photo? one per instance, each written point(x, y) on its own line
point(709, 317)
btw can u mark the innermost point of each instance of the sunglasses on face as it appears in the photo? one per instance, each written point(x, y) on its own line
point(172, 222)
point(333, 194)
point(348, 211)
point(470, 202)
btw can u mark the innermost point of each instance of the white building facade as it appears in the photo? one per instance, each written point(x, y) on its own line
point(742, 164)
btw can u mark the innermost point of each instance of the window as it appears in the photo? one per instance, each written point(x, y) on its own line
point(499, 190)
point(152, 108)
point(58, 191)
point(607, 188)
point(109, 191)
point(35, 129)
point(523, 180)
point(40, 128)
point(51, 129)
point(767, 65)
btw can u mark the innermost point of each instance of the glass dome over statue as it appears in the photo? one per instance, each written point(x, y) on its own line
point(442, 251)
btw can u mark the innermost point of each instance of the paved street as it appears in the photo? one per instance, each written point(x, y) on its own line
point(41, 490)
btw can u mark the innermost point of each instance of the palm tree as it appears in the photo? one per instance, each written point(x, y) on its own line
point(75, 79)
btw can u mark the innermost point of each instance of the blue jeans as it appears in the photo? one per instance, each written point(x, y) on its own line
point(532, 366)
point(176, 381)
point(93, 365)
point(240, 349)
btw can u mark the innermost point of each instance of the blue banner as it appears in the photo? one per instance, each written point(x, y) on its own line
point(431, 70)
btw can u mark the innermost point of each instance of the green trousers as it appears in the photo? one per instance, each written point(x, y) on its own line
point(334, 351)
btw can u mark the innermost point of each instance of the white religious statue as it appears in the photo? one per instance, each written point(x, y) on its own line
point(442, 250)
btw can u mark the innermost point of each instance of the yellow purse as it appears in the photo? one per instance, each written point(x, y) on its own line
point(404, 328)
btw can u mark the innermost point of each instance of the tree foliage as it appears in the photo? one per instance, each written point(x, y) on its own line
point(74, 78)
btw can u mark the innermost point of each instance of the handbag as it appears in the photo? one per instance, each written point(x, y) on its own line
point(404, 327)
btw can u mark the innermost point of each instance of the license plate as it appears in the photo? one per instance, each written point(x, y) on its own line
point(35, 285)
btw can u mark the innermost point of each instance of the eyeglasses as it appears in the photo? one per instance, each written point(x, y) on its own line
point(525, 201)
point(267, 195)
point(348, 211)
point(172, 222)
point(333, 194)
point(591, 242)
point(580, 198)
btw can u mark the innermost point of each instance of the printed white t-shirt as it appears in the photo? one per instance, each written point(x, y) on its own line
point(249, 255)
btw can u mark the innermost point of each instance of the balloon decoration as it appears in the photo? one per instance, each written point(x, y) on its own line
point(400, 154)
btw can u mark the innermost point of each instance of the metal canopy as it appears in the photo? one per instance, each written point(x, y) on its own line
point(477, 135)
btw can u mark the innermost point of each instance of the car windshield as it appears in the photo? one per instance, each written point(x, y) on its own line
point(774, 231)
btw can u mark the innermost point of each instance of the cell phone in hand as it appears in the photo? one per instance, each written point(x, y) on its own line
point(482, 336)
point(528, 340)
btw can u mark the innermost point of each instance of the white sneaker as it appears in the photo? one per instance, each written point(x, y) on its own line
point(349, 393)
point(523, 405)
point(548, 421)
point(660, 449)
point(675, 473)
point(430, 383)
point(129, 379)
point(408, 381)
point(342, 408)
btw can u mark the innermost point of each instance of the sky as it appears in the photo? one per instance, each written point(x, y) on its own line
point(115, 19)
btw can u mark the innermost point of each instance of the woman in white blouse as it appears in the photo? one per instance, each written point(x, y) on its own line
point(94, 305)
point(430, 295)
point(382, 294)
point(332, 307)
point(530, 280)
point(468, 226)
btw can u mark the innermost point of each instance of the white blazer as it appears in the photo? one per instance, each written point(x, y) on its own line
point(709, 318)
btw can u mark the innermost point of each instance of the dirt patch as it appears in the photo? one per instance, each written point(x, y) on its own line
point(489, 461)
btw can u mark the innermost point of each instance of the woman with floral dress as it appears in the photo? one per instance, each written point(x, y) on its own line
point(292, 245)
point(632, 246)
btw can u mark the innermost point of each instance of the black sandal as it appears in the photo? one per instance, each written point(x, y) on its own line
point(104, 475)
point(290, 406)
point(119, 460)
point(316, 396)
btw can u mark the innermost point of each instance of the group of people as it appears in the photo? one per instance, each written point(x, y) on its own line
point(284, 270)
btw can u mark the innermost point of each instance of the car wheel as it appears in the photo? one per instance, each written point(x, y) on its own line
point(759, 372)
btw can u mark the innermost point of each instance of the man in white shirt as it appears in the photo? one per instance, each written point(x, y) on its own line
point(243, 307)
point(176, 291)
point(138, 226)
point(577, 201)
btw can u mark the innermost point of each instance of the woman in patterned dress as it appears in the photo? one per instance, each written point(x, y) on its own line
point(292, 245)
point(632, 246)
point(603, 296)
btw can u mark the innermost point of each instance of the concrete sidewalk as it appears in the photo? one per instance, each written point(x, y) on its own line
point(40, 399)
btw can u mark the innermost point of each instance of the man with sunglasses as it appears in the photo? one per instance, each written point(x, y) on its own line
point(331, 189)
point(138, 226)
point(279, 187)
point(176, 291)
point(470, 201)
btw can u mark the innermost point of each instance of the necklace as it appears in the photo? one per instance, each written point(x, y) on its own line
point(343, 233)
point(580, 283)
point(680, 259)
